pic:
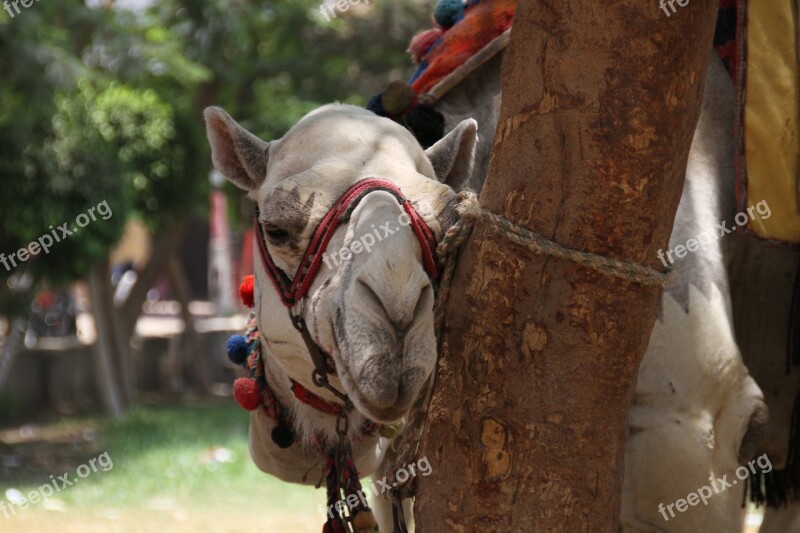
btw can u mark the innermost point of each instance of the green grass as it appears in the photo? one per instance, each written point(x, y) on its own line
point(163, 476)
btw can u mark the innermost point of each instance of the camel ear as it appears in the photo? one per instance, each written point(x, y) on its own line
point(453, 155)
point(237, 153)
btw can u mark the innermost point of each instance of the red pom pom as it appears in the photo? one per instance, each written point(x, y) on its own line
point(421, 42)
point(246, 291)
point(246, 393)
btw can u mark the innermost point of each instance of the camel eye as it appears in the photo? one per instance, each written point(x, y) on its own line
point(276, 234)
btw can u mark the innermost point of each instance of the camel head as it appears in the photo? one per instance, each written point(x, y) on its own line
point(370, 304)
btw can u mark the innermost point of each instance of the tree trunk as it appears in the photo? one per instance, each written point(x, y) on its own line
point(12, 347)
point(114, 333)
point(115, 324)
point(121, 339)
point(193, 360)
point(105, 348)
point(528, 419)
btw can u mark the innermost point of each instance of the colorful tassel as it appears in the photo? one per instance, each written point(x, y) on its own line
point(246, 291)
point(247, 394)
point(282, 435)
point(237, 349)
point(422, 42)
point(447, 12)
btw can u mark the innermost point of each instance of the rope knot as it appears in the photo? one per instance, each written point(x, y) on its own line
point(469, 207)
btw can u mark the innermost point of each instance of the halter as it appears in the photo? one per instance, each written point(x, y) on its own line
point(292, 291)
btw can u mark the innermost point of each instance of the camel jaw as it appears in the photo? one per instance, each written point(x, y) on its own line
point(380, 382)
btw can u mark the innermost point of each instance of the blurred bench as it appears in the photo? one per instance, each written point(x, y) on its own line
point(57, 374)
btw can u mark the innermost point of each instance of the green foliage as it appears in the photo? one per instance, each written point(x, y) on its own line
point(155, 145)
point(37, 193)
point(271, 62)
point(106, 104)
point(74, 133)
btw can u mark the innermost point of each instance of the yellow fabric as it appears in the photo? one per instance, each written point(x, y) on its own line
point(772, 113)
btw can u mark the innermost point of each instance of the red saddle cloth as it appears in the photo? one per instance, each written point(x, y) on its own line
point(483, 21)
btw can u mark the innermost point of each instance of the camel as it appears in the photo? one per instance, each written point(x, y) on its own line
point(371, 311)
point(697, 413)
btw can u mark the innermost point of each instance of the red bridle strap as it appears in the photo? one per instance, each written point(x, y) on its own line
point(293, 290)
point(317, 402)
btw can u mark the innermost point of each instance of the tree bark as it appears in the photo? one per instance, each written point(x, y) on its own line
point(528, 420)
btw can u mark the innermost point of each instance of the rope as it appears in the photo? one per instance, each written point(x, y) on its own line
point(470, 212)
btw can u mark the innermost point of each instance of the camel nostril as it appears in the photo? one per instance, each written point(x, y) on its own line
point(399, 303)
point(372, 299)
point(370, 294)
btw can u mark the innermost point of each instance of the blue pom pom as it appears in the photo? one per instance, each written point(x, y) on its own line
point(447, 12)
point(237, 349)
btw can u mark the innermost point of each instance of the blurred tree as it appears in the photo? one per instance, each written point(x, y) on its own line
point(76, 134)
point(105, 104)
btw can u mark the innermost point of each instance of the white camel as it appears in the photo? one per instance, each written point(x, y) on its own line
point(372, 312)
point(697, 413)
